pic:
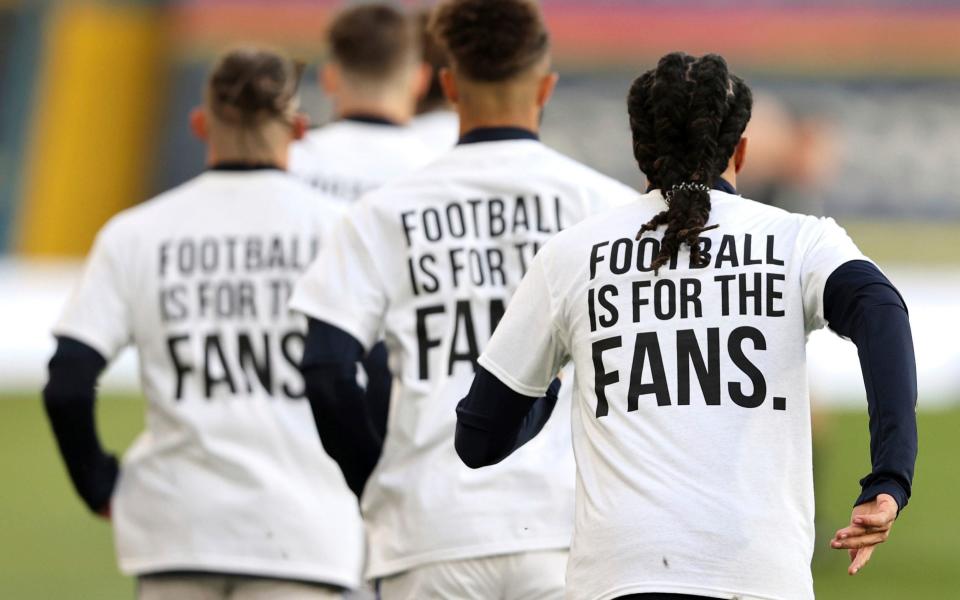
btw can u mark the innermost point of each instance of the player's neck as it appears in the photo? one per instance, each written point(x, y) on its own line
point(730, 175)
point(528, 120)
point(389, 109)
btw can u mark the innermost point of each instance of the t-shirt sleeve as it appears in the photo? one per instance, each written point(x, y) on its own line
point(526, 351)
point(343, 286)
point(830, 248)
point(98, 311)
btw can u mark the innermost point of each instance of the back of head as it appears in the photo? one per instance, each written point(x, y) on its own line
point(436, 57)
point(491, 41)
point(249, 87)
point(374, 43)
point(687, 117)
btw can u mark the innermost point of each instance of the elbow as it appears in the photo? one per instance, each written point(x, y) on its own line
point(472, 449)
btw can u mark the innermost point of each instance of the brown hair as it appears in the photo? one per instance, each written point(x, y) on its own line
point(435, 56)
point(491, 40)
point(687, 116)
point(373, 40)
point(250, 85)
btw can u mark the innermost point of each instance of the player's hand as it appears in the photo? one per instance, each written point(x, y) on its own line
point(105, 512)
point(869, 526)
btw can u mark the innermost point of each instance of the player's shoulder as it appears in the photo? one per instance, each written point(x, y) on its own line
point(600, 184)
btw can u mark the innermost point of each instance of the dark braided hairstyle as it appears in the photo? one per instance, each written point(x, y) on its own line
point(687, 116)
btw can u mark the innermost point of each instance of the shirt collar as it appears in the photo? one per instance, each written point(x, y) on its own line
point(496, 134)
point(242, 166)
point(369, 119)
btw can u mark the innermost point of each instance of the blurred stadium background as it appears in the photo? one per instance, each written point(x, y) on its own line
point(858, 117)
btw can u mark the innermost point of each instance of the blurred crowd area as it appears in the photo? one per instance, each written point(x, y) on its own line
point(857, 116)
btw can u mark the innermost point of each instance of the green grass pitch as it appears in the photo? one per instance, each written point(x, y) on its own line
point(50, 547)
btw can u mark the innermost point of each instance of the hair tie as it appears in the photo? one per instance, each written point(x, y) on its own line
point(686, 186)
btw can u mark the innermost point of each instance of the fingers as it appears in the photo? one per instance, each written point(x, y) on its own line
point(860, 541)
point(877, 520)
point(860, 560)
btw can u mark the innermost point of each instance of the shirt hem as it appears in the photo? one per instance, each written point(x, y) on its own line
point(674, 588)
point(386, 568)
point(509, 380)
point(337, 318)
point(241, 566)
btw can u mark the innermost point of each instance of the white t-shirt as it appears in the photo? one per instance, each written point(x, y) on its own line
point(348, 158)
point(230, 475)
point(439, 130)
point(432, 259)
point(694, 465)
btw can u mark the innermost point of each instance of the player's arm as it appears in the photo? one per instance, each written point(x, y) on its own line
point(93, 328)
point(343, 296)
point(69, 398)
point(339, 404)
point(860, 303)
point(515, 389)
point(493, 420)
point(379, 384)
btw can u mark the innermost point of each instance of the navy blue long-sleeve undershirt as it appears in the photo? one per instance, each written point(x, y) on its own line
point(350, 423)
point(859, 303)
point(69, 398)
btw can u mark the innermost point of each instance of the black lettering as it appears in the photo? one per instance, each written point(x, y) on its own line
point(436, 233)
point(727, 252)
point(664, 290)
point(407, 227)
point(463, 316)
point(734, 348)
point(690, 294)
point(425, 343)
point(293, 357)
point(596, 259)
point(495, 262)
point(708, 372)
point(774, 294)
point(261, 367)
point(497, 308)
point(601, 378)
point(620, 252)
point(520, 215)
point(538, 213)
point(211, 347)
point(747, 293)
point(747, 249)
point(450, 220)
point(647, 249)
point(724, 281)
point(647, 346)
point(427, 262)
point(705, 258)
point(770, 259)
point(610, 319)
point(181, 368)
point(496, 217)
point(637, 300)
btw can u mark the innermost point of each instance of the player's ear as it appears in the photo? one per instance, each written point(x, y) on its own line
point(330, 78)
point(198, 123)
point(548, 83)
point(449, 85)
point(740, 154)
point(299, 125)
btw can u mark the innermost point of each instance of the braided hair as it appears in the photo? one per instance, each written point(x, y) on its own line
point(686, 116)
